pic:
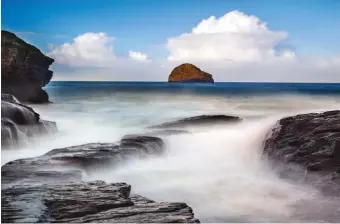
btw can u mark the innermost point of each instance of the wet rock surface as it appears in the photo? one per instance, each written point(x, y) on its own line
point(20, 122)
point(306, 148)
point(9, 98)
point(24, 69)
point(75, 160)
point(199, 120)
point(87, 202)
point(49, 188)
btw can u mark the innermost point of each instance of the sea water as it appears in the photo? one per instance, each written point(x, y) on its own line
point(218, 171)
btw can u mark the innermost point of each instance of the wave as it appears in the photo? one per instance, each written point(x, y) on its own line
point(218, 171)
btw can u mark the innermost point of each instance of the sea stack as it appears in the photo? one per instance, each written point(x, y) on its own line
point(189, 73)
point(24, 69)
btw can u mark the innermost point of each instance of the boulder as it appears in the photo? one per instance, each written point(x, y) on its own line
point(306, 148)
point(189, 73)
point(20, 122)
point(199, 121)
point(24, 69)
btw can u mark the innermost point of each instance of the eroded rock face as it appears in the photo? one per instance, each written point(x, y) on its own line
point(24, 69)
point(49, 188)
point(199, 121)
point(20, 122)
point(189, 73)
point(306, 148)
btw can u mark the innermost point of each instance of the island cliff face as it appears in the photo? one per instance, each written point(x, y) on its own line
point(189, 73)
point(24, 69)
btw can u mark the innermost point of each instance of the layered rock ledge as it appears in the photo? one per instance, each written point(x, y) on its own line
point(88, 202)
point(24, 69)
point(50, 188)
point(189, 73)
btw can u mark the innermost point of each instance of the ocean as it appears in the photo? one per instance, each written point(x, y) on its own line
point(217, 170)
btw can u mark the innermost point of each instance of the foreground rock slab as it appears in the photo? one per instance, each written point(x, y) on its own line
point(306, 148)
point(87, 202)
point(199, 121)
point(49, 188)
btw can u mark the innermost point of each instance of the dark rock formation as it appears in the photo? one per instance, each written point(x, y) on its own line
point(19, 122)
point(24, 69)
point(189, 73)
point(84, 158)
point(199, 120)
point(306, 147)
point(87, 202)
point(49, 188)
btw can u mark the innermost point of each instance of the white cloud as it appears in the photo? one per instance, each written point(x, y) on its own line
point(234, 47)
point(89, 49)
point(234, 37)
point(139, 56)
point(333, 62)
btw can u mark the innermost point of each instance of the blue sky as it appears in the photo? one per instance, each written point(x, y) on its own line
point(144, 25)
point(111, 33)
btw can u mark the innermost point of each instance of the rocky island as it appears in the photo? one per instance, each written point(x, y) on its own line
point(189, 73)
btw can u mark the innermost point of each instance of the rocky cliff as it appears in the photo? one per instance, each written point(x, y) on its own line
point(24, 69)
point(189, 73)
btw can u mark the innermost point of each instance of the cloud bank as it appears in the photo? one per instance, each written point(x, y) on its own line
point(234, 37)
point(233, 47)
point(88, 49)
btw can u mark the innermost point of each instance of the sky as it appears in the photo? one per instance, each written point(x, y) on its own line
point(142, 40)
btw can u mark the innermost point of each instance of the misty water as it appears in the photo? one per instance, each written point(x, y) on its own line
point(218, 170)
